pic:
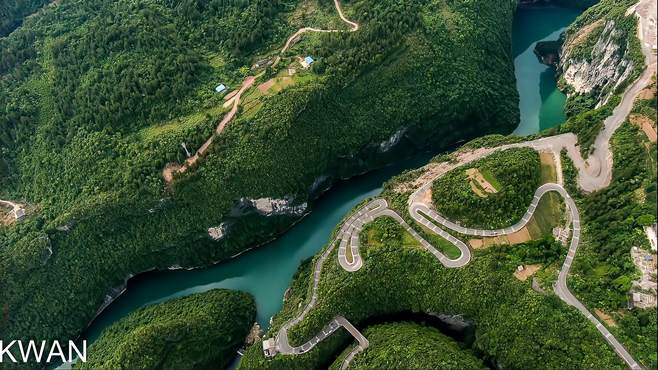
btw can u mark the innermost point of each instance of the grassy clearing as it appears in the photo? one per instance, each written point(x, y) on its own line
point(491, 179)
point(382, 230)
point(547, 216)
point(316, 13)
point(439, 243)
point(515, 173)
point(252, 101)
point(191, 121)
point(548, 170)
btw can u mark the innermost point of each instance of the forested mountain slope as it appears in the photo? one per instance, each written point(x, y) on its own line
point(410, 346)
point(198, 331)
point(12, 13)
point(96, 97)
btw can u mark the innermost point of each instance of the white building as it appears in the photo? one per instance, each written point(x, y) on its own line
point(269, 347)
point(19, 213)
point(306, 62)
point(651, 235)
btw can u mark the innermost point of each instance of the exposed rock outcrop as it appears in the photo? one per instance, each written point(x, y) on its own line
point(319, 184)
point(387, 145)
point(595, 58)
point(218, 232)
point(548, 52)
point(276, 207)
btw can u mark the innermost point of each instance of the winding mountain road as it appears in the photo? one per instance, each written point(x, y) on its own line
point(594, 174)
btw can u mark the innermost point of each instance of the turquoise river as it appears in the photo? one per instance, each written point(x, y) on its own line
point(267, 271)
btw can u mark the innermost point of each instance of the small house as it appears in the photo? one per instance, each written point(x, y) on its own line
point(19, 213)
point(642, 300)
point(306, 62)
point(220, 88)
point(269, 347)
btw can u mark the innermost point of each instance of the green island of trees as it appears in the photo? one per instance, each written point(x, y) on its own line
point(98, 96)
point(199, 331)
point(514, 325)
point(514, 173)
point(411, 346)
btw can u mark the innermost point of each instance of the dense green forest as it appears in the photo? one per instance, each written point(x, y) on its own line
point(603, 272)
point(411, 346)
point(514, 325)
point(95, 108)
point(515, 173)
point(614, 218)
point(12, 13)
point(200, 331)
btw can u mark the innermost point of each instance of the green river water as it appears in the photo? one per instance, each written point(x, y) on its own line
point(267, 271)
point(541, 103)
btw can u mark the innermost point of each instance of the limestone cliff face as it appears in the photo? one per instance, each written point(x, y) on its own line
point(594, 60)
point(270, 207)
point(600, 54)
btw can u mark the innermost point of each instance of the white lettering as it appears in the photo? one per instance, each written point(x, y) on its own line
point(5, 351)
point(81, 355)
point(32, 348)
point(59, 353)
point(34, 351)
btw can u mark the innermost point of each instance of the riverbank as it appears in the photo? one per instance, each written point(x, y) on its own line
point(265, 272)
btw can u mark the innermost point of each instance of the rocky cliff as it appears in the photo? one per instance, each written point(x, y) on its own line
point(599, 54)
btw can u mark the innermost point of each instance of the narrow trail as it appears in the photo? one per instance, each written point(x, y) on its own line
point(594, 174)
point(172, 169)
point(10, 204)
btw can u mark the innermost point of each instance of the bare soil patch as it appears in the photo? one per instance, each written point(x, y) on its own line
point(266, 86)
point(476, 243)
point(6, 216)
point(646, 124)
point(478, 180)
point(231, 95)
point(519, 237)
point(527, 272)
point(605, 317)
point(584, 32)
point(427, 196)
point(646, 94)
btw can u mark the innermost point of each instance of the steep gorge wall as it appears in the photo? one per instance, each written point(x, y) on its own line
point(600, 55)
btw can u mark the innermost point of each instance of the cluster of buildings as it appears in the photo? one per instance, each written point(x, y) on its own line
point(643, 292)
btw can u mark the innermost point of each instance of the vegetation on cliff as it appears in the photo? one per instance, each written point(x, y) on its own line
point(602, 32)
point(96, 107)
point(514, 324)
point(603, 271)
point(202, 330)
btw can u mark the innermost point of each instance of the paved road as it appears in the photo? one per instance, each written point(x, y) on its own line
point(349, 237)
point(594, 174)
